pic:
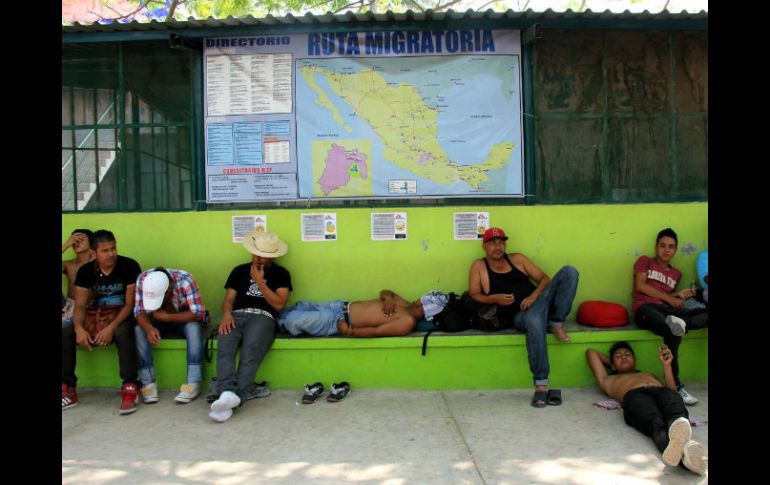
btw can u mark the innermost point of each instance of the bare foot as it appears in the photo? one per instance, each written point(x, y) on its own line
point(561, 334)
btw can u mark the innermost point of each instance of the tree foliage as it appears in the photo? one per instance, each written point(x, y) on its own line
point(161, 10)
point(145, 10)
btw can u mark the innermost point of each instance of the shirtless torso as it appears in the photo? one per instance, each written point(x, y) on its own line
point(70, 268)
point(369, 313)
point(617, 385)
point(390, 315)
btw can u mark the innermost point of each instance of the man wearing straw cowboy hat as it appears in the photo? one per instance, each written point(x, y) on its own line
point(256, 293)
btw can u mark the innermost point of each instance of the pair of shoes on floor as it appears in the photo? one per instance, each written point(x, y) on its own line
point(222, 408)
point(338, 392)
point(187, 393)
point(683, 449)
point(551, 398)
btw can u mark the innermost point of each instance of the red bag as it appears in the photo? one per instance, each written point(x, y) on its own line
point(602, 314)
point(97, 318)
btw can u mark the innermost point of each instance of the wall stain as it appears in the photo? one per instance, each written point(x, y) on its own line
point(689, 249)
point(424, 245)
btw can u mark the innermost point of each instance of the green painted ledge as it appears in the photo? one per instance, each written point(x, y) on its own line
point(469, 360)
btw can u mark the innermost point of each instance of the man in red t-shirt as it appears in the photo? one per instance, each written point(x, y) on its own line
point(658, 308)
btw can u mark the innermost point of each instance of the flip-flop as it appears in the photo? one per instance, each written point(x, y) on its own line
point(338, 392)
point(554, 397)
point(539, 399)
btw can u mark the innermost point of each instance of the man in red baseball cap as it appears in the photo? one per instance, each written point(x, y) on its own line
point(505, 280)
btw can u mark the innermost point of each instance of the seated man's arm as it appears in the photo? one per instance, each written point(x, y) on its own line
point(534, 273)
point(227, 323)
point(597, 362)
point(640, 285)
point(82, 296)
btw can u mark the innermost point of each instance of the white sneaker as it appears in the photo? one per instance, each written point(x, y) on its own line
point(694, 458)
point(150, 393)
point(188, 392)
point(221, 416)
point(227, 401)
point(676, 324)
point(688, 398)
point(679, 433)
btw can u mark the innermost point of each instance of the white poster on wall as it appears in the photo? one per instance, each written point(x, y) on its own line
point(388, 226)
point(470, 226)
point(319, 226)
point(243, 225)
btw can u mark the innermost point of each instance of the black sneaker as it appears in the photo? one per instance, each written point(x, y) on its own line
point(338, 392)
point(213, 391)
point(312, 393)
point(257, 390)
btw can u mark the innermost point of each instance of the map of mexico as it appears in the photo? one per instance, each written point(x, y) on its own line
point(434, 113)
point(442, 121)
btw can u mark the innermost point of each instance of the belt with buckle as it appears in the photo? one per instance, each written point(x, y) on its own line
point(346, 312)
point(255, 311)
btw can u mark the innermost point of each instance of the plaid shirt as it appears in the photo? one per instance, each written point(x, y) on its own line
point(184, 296)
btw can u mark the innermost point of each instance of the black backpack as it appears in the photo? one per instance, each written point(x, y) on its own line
point(483, 316)
point(453, 318)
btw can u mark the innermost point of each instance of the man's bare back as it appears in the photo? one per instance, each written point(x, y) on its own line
point(617, 385)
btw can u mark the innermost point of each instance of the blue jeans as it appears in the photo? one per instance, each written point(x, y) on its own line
point(318, 319)
point(192, 331)
point(551, 307)
point(253, 334)
point(66, 322)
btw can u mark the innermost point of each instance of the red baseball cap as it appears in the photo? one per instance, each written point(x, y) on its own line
point(494, 233)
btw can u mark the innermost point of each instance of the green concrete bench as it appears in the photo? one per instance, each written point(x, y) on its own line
point(464, 360)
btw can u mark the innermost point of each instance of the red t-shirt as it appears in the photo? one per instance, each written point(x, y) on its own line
point(660, 277)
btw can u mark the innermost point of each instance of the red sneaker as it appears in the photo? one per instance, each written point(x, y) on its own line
point(69, 397)
point(129, 398)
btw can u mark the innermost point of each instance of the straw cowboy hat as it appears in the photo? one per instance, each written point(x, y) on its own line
point(265, 244)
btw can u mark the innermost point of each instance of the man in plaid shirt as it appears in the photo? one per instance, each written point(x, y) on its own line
point(168, 303)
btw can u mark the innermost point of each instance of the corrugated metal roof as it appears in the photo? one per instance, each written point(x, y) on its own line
point(547, 18)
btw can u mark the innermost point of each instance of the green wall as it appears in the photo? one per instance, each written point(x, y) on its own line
point(601, 241)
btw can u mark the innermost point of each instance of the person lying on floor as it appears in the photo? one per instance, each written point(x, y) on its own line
point(388, 316)
point(656, 410)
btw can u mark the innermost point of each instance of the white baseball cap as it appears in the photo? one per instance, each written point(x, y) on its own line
point(154, 290)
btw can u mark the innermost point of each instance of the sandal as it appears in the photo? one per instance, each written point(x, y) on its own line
point(554, 397)
point(338, 392)
point(539, 399)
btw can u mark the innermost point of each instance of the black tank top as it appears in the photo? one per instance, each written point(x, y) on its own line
point(514, 282)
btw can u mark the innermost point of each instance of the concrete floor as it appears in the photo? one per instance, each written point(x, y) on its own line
point(374, 436)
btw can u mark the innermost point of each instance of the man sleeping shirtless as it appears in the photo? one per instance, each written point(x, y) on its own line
point(388, 316)
point(656, 410)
